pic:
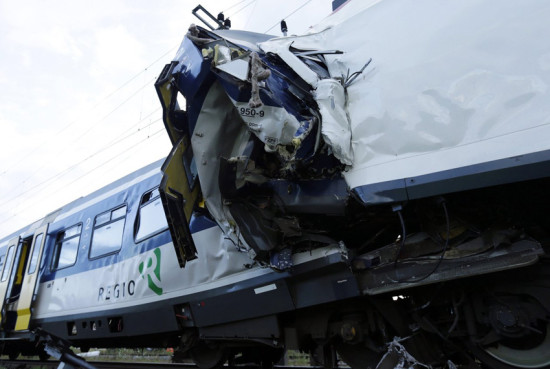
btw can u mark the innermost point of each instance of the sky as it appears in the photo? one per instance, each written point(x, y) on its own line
point(78, 108)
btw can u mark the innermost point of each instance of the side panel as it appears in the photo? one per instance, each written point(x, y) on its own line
point(145, 278)
point(29, 282)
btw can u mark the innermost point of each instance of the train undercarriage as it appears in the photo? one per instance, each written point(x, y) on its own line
point(448, 265)
point(289, 156)
point(496, 315)
point(491, 311)
point(465, 279)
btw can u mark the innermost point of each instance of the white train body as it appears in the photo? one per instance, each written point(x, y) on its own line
point(384, 175)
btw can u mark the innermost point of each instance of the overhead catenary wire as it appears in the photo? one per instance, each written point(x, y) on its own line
point(241, 9)
point(116, 108)
point(13, 171)
point(87, 131)
point(36, 193)
point(109, 95)
point(134, 94)
point(43, 198)
point(94, 125)
point(67, 170)
point(250, 16)
point(123, 159)
point(115, 157)
point(121, 138)
point(36, 148)
point(234, 5)
point(294, 11)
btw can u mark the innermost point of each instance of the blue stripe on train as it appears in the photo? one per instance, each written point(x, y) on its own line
point(131, 197)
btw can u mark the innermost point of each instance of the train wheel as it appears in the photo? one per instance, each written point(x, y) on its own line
point(208, 355)
point(508, 355)
point(519, 335)
point(13, 355)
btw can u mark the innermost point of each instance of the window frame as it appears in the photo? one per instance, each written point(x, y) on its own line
point(35, 252)
point(94, 227)
point(58, 242)
point(12, 247)
point(2, 259)
point(137, 221)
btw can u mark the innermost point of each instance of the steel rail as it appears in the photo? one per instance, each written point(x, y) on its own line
point(37, 364)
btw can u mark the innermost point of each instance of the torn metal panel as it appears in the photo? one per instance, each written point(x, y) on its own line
point(281, 47)
point(217, 122)
point(331, 98)
point(237, 68)
point(272, 105)
point(245, 39)
point(386, 141)
point(445, 96)
point(425, 105)
point(301, 141)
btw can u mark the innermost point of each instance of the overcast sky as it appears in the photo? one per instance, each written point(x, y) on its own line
point(78, 108)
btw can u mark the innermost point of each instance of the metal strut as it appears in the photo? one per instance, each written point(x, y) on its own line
point(60, 349)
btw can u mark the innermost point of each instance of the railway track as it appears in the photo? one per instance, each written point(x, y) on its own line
point(37, 364)
point(50, 364)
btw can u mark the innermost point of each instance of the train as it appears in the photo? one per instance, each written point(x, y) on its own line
point(373, 191)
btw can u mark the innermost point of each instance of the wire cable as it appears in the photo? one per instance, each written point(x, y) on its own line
point(276, 24)
point(440, 260)
point(93, 126)
point(241, 9)
point(234, 5)
point(134, 94)
point(101, 101)
point(74, 166)
point(114, 157)
point(403, 237)
point(250, 16)
point(127, 151)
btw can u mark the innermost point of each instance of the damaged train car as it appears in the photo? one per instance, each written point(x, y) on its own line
point(412, 136)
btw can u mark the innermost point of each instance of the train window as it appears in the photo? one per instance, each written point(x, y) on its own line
point(73, 231)
point(7, 263)
point(108, 230)
point(35, 251)
point(151, 218)
point(66, 247)
point(102, 218)
point(119, 213)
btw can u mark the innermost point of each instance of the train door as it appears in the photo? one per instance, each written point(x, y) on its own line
point(180, 193)
point(179, 190)
point(30, 280)
point(6, 273)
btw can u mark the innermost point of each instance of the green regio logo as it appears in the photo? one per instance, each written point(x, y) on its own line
point(152, 271)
